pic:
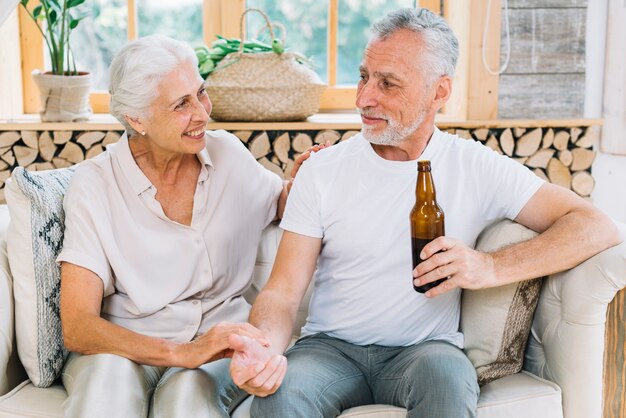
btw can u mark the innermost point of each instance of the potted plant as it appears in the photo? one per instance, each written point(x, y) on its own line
point(64, 91)
point(250, 80)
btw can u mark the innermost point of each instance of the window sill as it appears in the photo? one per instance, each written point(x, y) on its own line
point(320, 121)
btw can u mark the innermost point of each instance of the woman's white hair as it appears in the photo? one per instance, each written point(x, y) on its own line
point(136, 71)
point(439, 40)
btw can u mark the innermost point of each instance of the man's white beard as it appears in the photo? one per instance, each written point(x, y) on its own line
point(394, 133)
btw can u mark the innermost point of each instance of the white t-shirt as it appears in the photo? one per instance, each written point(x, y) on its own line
point(359, 204)
point(162, 278)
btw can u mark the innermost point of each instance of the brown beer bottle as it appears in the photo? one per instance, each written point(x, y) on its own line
point(427, 219)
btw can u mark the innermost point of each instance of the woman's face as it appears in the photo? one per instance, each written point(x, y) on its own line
point(179, 115)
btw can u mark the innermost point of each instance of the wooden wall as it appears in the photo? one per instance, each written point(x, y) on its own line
point(546, 73)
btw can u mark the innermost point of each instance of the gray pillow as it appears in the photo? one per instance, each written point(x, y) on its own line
point(496, 322)
point(35, 238)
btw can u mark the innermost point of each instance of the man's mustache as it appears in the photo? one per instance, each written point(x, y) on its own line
point(368, 113)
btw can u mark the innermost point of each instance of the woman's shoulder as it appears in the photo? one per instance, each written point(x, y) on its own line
point(222, 144)
point(92, 175)
point(224, 137)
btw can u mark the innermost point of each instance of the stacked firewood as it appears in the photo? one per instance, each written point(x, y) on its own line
point(561, 155)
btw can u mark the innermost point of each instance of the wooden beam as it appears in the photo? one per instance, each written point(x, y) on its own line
point(131, 9)
point(338, 98)
point(333, 29)
point(221, 17)
point(483, 86)
point(100, 102)
point(432, 5)
point(614, 107)
point(231, 11)
point(31, 45)
point(211, 24)
point(457, 13)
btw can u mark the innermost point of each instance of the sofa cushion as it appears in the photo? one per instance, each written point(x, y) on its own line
point(26, 400)
point(35, 237)
point(517, 396)
point(496, 321)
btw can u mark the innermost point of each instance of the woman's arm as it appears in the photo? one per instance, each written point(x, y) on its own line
point(85, 332)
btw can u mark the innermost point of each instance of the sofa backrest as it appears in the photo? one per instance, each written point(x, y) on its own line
point(266, 254)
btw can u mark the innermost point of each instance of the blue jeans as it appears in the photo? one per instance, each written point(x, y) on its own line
point(326, 376)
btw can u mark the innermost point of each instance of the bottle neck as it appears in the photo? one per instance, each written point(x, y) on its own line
point(425, 188)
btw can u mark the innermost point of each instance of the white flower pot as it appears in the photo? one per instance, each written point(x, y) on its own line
point(63, 98)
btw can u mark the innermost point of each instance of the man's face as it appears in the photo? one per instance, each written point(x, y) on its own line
point(392, 95)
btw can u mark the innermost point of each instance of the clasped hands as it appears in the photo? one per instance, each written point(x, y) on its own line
point(254, 368)
point(465, 268)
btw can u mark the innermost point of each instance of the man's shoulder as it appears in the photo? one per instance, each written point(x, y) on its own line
point(467, 150)
point(338, 153)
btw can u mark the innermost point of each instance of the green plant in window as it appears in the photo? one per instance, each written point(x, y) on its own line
point(209, 58)
point(56, 19)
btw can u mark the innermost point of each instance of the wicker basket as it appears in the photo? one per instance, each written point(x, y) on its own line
point(263, 86)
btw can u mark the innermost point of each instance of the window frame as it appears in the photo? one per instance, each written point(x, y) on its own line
point(222, 17)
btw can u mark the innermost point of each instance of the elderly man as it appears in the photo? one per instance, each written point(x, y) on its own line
point(369, 337)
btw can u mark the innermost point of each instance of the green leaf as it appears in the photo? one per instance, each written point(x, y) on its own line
point(24, 2)
point(53, 17)
point(74, 3)
point(277, 46)
point(37, 11)
point(206, 67)
point(74, 23)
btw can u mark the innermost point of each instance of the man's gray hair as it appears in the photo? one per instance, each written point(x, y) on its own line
point(439, 40)
point(136, 71)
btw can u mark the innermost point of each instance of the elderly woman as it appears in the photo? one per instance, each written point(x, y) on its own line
point(160, 243)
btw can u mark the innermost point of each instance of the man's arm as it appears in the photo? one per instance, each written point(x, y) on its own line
point(274, 310)
point(274, 313)
point(570, 231)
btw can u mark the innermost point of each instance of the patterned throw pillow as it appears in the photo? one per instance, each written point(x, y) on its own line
point(496, 321)
point(34, 239)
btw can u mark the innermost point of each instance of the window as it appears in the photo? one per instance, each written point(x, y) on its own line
point(333, 33)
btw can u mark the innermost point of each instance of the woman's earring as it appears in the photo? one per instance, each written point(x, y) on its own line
point(143, 133)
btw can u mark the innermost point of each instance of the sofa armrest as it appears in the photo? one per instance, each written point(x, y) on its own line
point(11, 370)
point(566, 344)
point(614, 396)
point(6, 324)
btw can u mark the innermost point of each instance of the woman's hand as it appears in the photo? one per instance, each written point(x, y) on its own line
point(214, 344)
point(302, 158)
point(282, 199)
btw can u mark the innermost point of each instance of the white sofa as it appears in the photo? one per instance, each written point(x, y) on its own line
point(562, 376)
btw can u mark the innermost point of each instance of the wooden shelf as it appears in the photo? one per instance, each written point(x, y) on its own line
point(320, 121)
